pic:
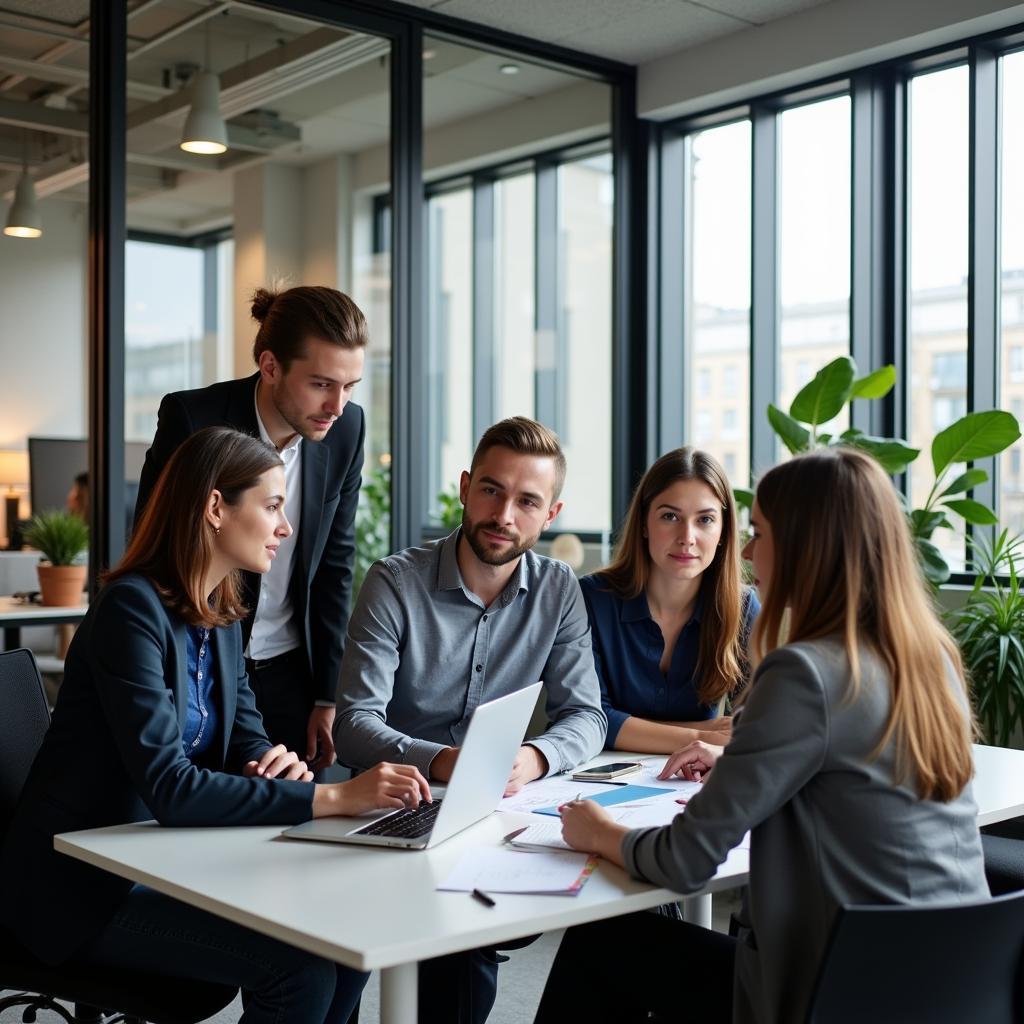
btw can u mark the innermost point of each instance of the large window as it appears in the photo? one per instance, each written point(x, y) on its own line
point(814, 243)
point(936, 380)
point(520, 321)
point(450, 361)
point(1011, 397)
point(860, 216)
point(176, 328)
point(577, 386)
point(717, 315)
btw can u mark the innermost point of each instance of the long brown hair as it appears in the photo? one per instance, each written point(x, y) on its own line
point(843, 563)
point(721, 660)
point(173, 544)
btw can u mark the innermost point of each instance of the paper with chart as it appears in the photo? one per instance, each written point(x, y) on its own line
point(550, 793)
point(648, 813)
point(493, 869)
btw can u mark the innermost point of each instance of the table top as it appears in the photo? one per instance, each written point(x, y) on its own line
point(14, 613)
point(378, 907)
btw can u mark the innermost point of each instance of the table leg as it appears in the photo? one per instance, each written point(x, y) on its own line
point(697, 910)
point(398, 994)
point(12, 638)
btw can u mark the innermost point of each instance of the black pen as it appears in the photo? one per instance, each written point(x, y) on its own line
point(483, 898)
point(602, 782)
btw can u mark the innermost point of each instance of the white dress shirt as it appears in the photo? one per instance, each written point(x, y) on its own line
point(274, 629)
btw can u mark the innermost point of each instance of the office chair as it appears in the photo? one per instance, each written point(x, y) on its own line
point(942, 964)
point(139, 996)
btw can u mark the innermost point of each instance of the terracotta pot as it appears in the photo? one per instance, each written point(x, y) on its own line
point(61, 585)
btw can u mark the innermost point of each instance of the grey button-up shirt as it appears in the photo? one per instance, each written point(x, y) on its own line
point(423, 652)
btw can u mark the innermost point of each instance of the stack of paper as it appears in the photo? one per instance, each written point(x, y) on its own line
point(491, 869)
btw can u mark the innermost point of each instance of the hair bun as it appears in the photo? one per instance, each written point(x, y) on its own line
point(262, 300)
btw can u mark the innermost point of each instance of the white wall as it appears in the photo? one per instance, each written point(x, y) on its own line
point(43, 297)
point(827, 40)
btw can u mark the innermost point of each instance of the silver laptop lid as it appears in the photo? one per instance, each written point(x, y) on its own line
point(493, 738)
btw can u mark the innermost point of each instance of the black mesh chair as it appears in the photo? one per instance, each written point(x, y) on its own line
point(942, 964)
point(138, 996)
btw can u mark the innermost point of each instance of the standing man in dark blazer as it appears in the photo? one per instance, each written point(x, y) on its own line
point(309, 350)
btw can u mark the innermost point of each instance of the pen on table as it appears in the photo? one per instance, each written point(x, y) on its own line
point(602, 782)
point(483, 898)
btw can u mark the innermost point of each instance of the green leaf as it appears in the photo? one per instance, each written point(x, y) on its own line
point(822, 398)
point(891, 453)
point(923, 523)
point(743, 497)
point(973, 511)
point(936, 570)
point(875, 385)
point(795, 437)
point(975, 436)
point(965, 481)
point(850, 435)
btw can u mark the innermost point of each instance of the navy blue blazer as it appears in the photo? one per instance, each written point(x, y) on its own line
point(113, 754)
point(321, 583)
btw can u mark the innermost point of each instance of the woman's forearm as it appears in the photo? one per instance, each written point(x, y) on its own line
point(647, 737)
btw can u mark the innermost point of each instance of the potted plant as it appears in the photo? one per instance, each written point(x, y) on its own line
point(989, 628)
point(61, 538)
point(978, 435)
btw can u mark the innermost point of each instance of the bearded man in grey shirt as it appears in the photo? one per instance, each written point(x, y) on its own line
point(439, 629)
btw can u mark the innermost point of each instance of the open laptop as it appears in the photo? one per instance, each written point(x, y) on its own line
point(485, 760)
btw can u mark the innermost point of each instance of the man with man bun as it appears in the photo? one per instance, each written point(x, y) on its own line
point(309, 353)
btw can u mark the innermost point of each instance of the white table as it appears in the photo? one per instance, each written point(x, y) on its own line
point(379, 908)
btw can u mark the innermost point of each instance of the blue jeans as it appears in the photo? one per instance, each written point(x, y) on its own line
point(284, 985)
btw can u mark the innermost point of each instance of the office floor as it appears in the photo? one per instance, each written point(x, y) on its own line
point(520, 981)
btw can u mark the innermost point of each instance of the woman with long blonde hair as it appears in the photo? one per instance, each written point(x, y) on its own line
point(850, 763)
point(669, 615)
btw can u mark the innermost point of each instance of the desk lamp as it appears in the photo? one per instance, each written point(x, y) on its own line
point(13, 474)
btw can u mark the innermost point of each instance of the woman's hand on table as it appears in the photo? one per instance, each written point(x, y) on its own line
point(278, 763)
point(694, 762)
point(588, 827)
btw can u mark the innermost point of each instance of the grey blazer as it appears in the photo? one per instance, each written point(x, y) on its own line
point(829, 825)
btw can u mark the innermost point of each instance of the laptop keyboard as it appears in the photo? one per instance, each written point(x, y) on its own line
point(407, 824)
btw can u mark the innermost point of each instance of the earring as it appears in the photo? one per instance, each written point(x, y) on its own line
point(216, 530)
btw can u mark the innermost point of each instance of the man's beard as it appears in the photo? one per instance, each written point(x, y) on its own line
point(487, 555)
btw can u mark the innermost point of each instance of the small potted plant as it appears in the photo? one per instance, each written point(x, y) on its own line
point(61, 538)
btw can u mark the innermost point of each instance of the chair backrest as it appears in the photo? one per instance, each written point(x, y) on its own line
point(24, 719)
point(943, 963)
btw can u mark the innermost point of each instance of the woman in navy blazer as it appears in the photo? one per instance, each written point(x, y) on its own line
point(669, 615)
point(156, 720)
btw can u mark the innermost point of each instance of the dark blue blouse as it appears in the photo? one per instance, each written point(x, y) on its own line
point(628, 645)
point(203, 715)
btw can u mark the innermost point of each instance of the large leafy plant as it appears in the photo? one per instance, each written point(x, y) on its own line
point(977, 435)
point(989, 629)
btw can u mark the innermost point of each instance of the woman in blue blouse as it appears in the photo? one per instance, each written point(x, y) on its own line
point(156, 720)
point(669, 616)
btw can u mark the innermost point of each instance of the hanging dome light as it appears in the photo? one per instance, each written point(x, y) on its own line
point(23, 220)
point(205, 130)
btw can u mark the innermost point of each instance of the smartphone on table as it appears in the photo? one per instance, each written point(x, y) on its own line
point(602, 772)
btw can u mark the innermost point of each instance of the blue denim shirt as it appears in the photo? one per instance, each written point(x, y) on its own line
point(628, 645)
point(203, 714)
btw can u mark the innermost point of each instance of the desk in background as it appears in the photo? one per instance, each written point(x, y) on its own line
point(14, 615)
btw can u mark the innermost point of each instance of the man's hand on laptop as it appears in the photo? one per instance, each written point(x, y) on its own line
point(529, 764)
point(387, 785)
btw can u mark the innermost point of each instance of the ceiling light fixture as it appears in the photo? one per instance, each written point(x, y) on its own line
point(429, 54)
point(23, 220)
point(205, 131)
point(509, 69)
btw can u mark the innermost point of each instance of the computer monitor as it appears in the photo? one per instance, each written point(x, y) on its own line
point(54, 462)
